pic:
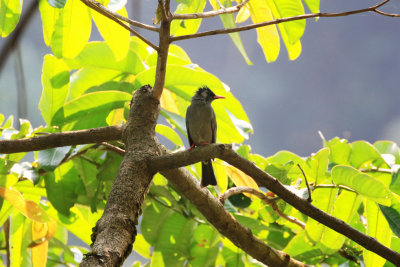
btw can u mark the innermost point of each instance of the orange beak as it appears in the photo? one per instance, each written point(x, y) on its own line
point(219, 97)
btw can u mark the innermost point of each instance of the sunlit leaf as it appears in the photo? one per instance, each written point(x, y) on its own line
point(10, 12)
point(377, 227)
point(72, 30)
point(55, 80)
point(39, 251)
point(204, 246)
point(57, 3)
point(362, 183)
point(49, 16)
point(243, 14)
point(170, 134)
point(115, 36)
point(313, 5)
point(182, 27)
point(239, 178)
point(268, 36)
point(100, 55)
point(363, 154)
point(90, 105)
point(229, 22)
point(388, 147)
point(340, 150)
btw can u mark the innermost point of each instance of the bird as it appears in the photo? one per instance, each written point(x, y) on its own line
point(201, 127)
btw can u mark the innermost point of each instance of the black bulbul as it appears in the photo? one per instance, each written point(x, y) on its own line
point(201, 126)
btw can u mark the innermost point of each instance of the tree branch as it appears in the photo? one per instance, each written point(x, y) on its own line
point(210, 14)
point(281, 20)
point(262, 178)
point(16, 35)
point(224, 222)
point(270, 201)
point(112, 15)
point(95, 135)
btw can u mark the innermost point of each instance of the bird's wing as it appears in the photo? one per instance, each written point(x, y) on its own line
point(187, 127)
point(213, 127)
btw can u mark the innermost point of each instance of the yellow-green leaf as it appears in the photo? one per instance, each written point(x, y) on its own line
point(55, 80)
point(10, 12)
point(377, 227)
point(116, 37)
point(267, 36)
point(72, 30)
point(49, 17)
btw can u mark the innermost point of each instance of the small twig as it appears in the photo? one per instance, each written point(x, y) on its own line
point(244, 189)
point(6, 228)
point(113, 148)
point(386, 14)
point(309, 199)
point(118, 16)
point(377, 170)
point(210, 14)
point(333, 186)
point(277, 21)
point(109, 14)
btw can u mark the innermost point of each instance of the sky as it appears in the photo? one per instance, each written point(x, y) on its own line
point(345, 82)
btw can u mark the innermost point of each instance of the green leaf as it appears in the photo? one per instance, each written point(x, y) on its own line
point(63, 186)
point(290, 33)
point(318, 164)
point(204, 246)
point(268, 36)
point(10, 12)
point(182, 27)
point(57, 3)
point(392, 215)
point(313, 5)
point(142, 247)
point(99, 55)
point(55, 80)
point(170, 134)
point(169, 232)
point(26, 170)
point(49, 16)
point(79, 222)
point(228, 20)
point(362, 183)
point(49, 159)
point(72, 30)
point(86, 78)
point(345, 207)
point(363, 154)
point(18, 228)
point(95, 105)
point(340, 150)
point(377, 227)
point(87, 172)
point(388, 147)
point(291, 8)
point(301, 249)
point(324, 199)
point(115, 36)
point(175, 120)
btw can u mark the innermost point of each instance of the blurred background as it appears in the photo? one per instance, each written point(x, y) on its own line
point(345, 82)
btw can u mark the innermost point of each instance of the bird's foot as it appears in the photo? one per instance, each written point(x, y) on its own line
point(191, 147)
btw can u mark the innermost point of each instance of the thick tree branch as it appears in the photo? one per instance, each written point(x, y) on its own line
point(277, 21)
point(95, 135)
point(112, 15)
point(262, 178)
point(224, 222)
point(210, 14)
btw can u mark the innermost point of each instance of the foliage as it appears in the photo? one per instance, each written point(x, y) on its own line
point(89, 84)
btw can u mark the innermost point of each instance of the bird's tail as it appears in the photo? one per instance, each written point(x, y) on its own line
point(207, 173)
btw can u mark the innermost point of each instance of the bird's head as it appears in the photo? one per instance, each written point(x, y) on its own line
point(205, 94)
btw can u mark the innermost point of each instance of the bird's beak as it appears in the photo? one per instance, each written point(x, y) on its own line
point(219, 97)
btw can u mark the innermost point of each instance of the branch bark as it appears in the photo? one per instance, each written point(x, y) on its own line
point(224, 222)
point(277, 21)
point(115, 232)
point(95, 135)
point(262, 178)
